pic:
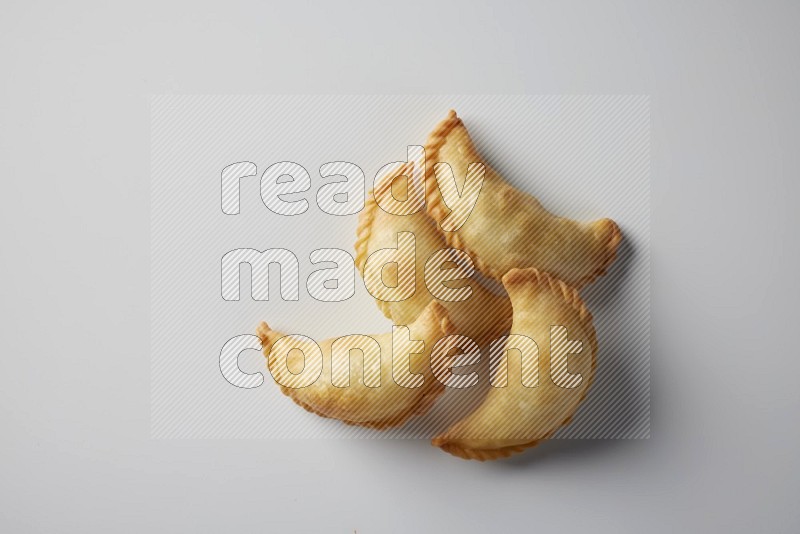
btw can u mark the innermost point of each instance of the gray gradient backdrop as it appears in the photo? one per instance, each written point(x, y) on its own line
point(74, 141)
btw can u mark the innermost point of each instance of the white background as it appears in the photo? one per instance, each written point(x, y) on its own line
point(76, 453)
point(584, 157)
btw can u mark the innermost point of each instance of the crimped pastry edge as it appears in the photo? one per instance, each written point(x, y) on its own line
point(438, 211)
point(366, 219)
point(571, 297)
point(432, 390)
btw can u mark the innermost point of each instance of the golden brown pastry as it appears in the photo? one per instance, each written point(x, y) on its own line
point(528, 403)
point(508, 228)
point(483, 316)
point(382, 392)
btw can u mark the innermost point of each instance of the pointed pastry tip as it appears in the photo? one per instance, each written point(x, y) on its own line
point(521, 276)
point(267, 336)
point(442, 318)
point(608, 231)
point(263, 330)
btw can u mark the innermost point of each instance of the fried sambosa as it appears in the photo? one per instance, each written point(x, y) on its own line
point(540, 373)
point(482, 316)
point(508, 228)
point(384, 391)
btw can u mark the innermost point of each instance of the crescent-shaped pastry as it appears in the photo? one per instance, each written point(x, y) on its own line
point(508, 228)
point(540, 373)
point(483, 316)
point(383, 392)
